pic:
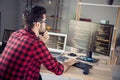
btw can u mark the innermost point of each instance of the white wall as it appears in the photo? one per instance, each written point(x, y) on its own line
point(97, 13)
point(9, 15)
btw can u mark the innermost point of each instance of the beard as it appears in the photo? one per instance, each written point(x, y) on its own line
point(42, 31)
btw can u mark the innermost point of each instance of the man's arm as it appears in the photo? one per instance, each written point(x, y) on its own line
point(68, 63)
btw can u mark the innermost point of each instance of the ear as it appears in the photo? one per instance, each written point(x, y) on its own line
point(38, 24)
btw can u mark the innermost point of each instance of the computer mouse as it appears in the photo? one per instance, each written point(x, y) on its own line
point(86, 71)
point(72, 54)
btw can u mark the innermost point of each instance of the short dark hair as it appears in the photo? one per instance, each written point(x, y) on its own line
point(33, 14)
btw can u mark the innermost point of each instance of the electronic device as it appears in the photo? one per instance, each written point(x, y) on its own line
point(72, 54)
point(87, 59)
point(61, 58)
point(90, 36)
point(56, 43)
point(83, 66)
point(86, 71)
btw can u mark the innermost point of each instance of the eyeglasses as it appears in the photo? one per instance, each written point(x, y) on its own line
point(43, 21)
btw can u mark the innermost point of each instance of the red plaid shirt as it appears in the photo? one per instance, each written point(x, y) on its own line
point(23, 56)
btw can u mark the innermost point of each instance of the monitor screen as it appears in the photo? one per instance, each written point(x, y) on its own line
point(80, 34)
point(90, 36)
point(56, 42)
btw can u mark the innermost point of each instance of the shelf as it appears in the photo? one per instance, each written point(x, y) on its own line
point(99, 43)
point(54, 17)
point(104, 53)
point(102, 40)
point(102, 37)
point(102, 5)
point(99, 50)
point(102, 31)
point(60, 42)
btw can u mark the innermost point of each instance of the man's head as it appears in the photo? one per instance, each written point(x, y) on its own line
point(35, 16)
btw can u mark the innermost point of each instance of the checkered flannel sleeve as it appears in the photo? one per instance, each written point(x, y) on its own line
point(50, 62)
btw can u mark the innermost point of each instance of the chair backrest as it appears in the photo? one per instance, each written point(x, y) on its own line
point(7, 34)
point(5, 38)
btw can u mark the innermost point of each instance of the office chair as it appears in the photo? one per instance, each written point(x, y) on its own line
point(5, 38)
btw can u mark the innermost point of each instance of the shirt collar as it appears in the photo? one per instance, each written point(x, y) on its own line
point(31, 33)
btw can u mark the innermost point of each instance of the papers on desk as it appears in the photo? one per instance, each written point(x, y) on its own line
point(47, 76)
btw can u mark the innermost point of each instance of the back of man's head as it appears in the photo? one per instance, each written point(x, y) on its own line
point(33, 14)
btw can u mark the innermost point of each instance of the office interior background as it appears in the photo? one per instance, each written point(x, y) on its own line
point(11, 13)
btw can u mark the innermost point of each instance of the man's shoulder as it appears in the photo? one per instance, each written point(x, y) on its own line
point(20, 31)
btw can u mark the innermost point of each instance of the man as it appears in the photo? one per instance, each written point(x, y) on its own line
point(26, 51)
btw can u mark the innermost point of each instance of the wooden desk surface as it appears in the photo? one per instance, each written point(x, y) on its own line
point(100, 70)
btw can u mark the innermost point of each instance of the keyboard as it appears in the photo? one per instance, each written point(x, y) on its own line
point(82, 65)
point(54, 54)
point(61, 58)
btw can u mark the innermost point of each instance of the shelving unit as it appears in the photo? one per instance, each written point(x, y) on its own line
point(116, 26)
point(92, 4)
point(103, 39)
point(54, 12)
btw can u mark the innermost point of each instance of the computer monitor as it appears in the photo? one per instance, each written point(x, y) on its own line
point(90, 36)
point(56, 42)
point(81, 34)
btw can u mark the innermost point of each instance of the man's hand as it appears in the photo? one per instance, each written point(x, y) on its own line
point(44, 37)
point(69, 63)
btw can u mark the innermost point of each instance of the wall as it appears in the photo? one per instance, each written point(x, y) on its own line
point(92, 12)
point(96, 14)
point(69, 9)
point(66, 16)
point(11, 18)
point(9, 15)
point(68, 13)
point(22, 6)
point(50, 11)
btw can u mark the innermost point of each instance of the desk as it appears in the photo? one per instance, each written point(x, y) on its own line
point(100, 70)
